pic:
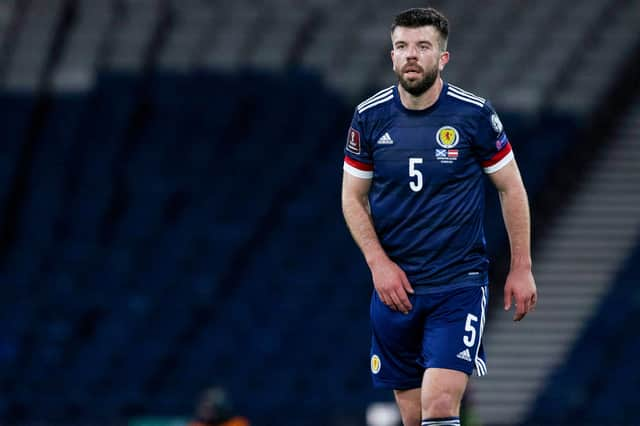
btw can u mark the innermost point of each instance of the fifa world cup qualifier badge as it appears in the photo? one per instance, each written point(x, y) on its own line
point(353, 141)
point(447, 137)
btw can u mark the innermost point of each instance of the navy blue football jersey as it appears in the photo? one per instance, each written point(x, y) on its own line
point(427, 191)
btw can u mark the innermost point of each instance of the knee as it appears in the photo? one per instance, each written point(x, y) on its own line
point(444, 404)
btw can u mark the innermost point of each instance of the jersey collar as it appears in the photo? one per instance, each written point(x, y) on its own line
point(398, 102)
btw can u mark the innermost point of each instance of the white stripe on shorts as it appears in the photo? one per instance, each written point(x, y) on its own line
point(481, 367)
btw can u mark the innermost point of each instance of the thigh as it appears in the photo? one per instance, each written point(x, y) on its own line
point(453, 331)
point(396, 346)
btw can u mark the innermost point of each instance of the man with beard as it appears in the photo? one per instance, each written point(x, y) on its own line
point(413, 199)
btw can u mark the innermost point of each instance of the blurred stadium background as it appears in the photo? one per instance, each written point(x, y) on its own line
point(170, 213)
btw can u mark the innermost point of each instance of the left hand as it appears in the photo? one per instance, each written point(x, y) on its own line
point(520, 286)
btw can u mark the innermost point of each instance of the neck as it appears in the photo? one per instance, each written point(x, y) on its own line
point(422, 101)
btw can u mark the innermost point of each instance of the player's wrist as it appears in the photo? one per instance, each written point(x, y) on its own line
point(520, 273)
point(522, 263)
point(376, 258)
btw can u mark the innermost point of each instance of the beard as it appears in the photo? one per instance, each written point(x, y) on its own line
point(419, 86)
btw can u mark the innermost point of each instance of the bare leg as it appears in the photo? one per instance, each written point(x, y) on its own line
point(410, 407)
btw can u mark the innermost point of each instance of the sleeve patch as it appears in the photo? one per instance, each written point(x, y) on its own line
point(502, 141)
point(353, 141)
point(496, 123)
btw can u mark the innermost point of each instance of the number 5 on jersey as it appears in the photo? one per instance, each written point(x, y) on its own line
point(415, 173)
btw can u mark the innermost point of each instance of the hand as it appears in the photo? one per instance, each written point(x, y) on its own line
point(392, 285)
point(521, 286)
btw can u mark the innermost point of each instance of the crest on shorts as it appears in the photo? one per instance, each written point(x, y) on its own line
point(447, 137)
point(375, 364)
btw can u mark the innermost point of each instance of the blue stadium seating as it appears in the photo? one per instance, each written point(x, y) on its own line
point(598, 383)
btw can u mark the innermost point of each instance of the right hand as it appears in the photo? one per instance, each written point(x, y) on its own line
point(392, 285)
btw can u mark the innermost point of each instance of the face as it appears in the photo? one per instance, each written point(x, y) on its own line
point(417, 59)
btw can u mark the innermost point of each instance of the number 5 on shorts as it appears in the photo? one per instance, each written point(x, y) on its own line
point(470, 340)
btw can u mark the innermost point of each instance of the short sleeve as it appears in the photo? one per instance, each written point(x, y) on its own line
point(491, 142)
point(357, 154)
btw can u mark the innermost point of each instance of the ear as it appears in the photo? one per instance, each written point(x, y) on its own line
point(444, 60)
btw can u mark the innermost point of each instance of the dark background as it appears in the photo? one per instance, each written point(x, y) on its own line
point(170, 217)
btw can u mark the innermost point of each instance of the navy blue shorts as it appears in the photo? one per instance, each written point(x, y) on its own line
point(443, 330)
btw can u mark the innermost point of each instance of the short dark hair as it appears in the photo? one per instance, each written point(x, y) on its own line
point(422, 17)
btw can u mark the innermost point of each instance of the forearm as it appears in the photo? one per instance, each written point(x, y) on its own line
point(389, 280)
point(515, 211)
point(360, 224)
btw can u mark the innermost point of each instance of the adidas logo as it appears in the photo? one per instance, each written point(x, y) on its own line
point(385, 139)
point(464, 355)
